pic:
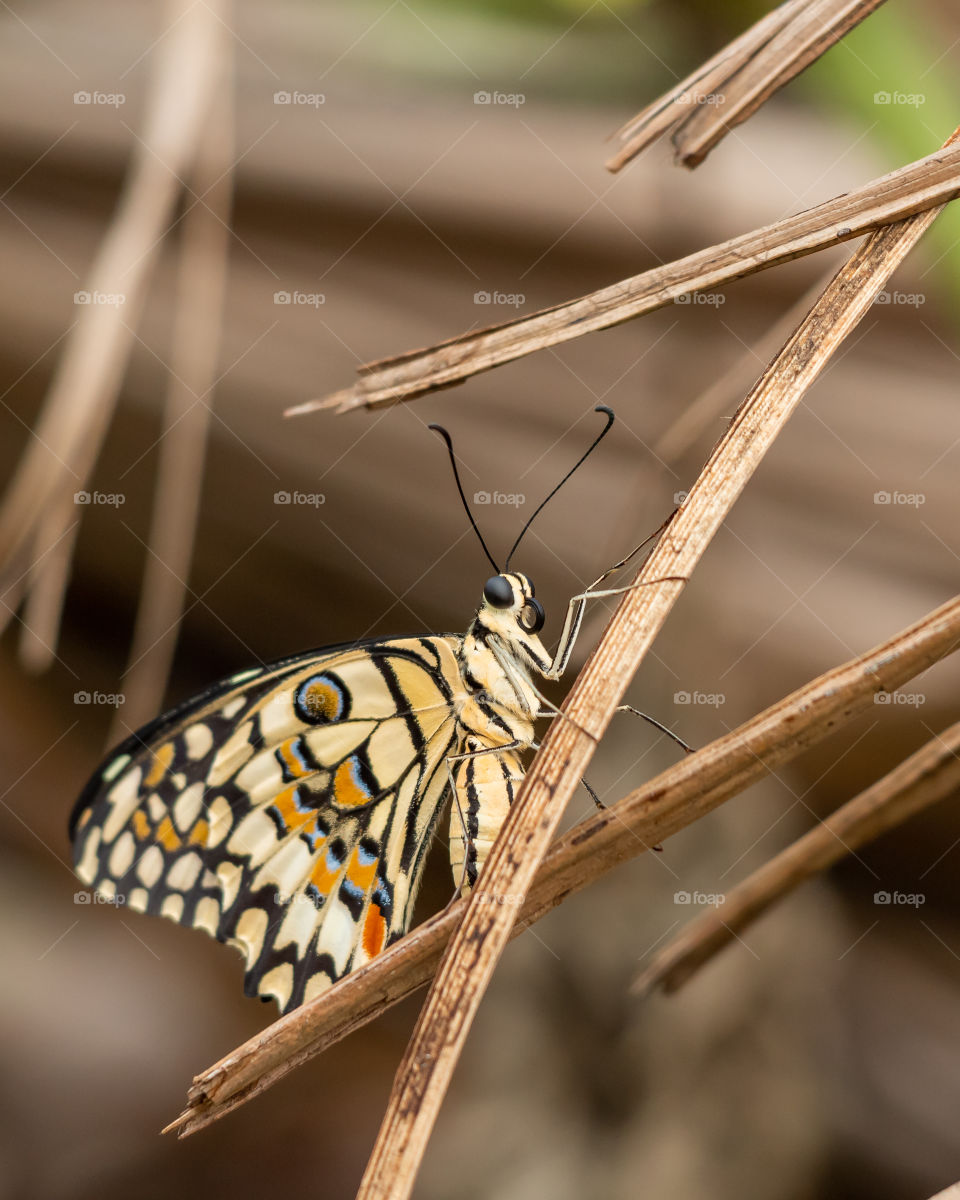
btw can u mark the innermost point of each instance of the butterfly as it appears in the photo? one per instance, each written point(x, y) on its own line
point(288, 809)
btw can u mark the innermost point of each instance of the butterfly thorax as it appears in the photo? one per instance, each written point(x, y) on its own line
point(498, 708)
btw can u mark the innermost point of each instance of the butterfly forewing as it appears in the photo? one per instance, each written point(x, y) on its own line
point(287, 811)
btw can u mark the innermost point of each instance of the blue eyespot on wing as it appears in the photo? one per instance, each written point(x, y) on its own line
point(287, 810)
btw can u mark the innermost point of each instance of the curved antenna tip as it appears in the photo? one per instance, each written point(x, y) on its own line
point(600, 408)
point(466, 507)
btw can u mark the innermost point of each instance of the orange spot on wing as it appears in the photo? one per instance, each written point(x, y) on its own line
point(198, 834)
point(286, 806)
point(167, 836)
point(141, 826)
point(322, 878)
point(293, 766)
point(84, 818)
point(161, 764)
point(348, 790)
point(361, 876)
point(374, 931)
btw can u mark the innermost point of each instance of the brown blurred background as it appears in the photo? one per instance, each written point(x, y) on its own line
point(820, 1059)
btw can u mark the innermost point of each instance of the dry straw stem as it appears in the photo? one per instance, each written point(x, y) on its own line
point(670, 802)
point(727, 90)
point(922, 185)
point(930, 775)
point(77, 411)
point(673, 106)
point(950, 1193)
point(475, 948)
point(198, 325)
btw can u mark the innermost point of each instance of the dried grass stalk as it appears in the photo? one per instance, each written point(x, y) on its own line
point(670, 108)
point(198, 326)
point(729, 89)
point(77, 411)
point(670, 802)
point(922, 185)
point(474, 950)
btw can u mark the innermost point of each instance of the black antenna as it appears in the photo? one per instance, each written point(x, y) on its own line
point(601, 408)
point(466, 507)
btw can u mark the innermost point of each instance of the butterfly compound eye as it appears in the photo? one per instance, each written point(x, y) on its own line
point(532, 616)
point(498, 592)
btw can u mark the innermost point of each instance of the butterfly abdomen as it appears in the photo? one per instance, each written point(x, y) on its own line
point(486, 785)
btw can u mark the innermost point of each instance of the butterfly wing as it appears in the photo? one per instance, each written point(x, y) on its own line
point(288, 810)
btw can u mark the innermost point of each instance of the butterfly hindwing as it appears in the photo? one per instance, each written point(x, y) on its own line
point(287, 810)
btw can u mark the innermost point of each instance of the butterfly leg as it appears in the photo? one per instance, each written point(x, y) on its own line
point(656, 724)
point(574, 618)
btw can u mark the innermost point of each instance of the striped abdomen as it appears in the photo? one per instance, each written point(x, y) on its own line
point(486, 786)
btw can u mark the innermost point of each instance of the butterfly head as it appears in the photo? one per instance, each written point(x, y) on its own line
point(512, 613)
